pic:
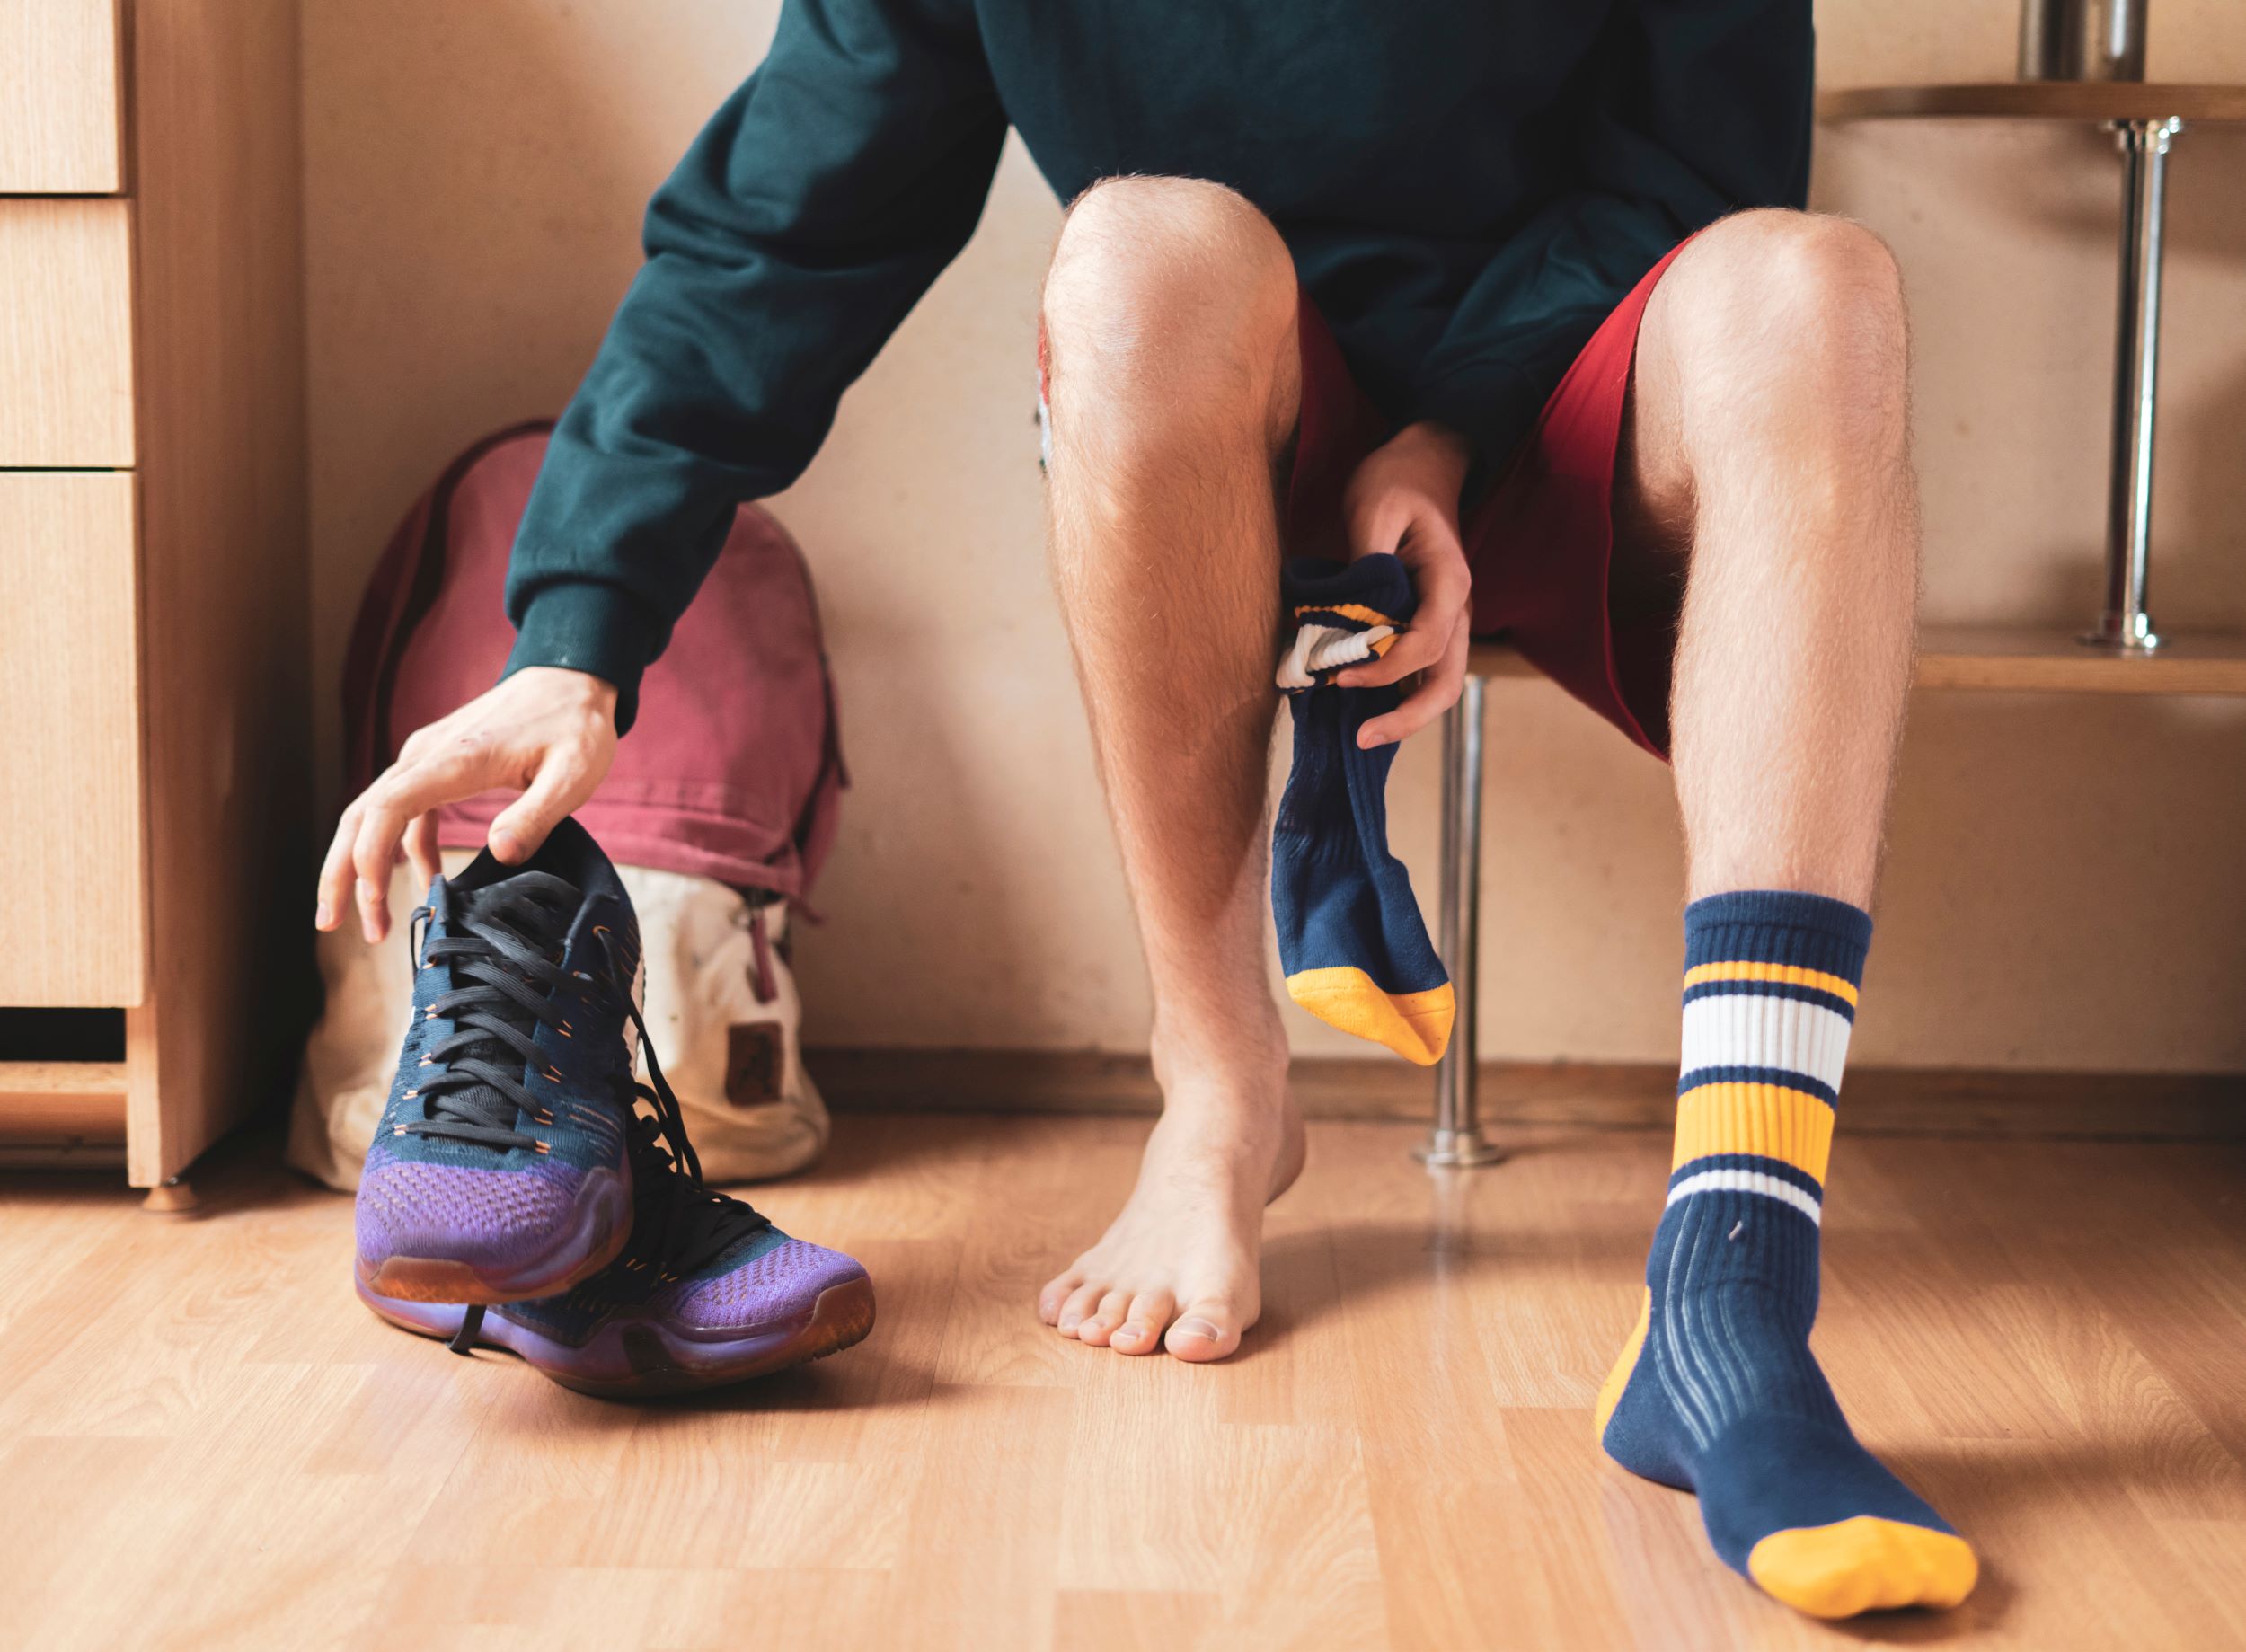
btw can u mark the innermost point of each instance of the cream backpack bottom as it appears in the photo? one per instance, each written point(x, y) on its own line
point(721, 1002)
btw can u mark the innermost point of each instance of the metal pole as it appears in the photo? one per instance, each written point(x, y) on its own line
point(2125, 625)
point(1456, 1141)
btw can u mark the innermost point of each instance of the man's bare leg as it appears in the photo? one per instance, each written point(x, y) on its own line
point(1174, 386)
point(1768, 435)
point(1768, 447)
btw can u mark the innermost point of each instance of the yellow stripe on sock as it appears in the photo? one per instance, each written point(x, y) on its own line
point(1767, 1120)
point(1417, 1025)
point(1347, 611)
point(1791, 975)
point(1864, 1564)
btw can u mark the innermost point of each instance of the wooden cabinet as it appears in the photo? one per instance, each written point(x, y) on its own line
point(61, 131)
point(154, 791)
point(65, 333)
point(70, 698)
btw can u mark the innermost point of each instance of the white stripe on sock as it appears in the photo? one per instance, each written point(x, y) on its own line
point(1748, 1181)
point(1322, 648)
point(1749, 1029)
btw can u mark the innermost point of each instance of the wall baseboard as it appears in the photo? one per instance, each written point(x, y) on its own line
point(1881, 1101)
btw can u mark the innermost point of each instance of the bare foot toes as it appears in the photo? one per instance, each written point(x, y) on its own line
point(1107, 1317)
point(1077, 1306)
point(1141, 1331)
point(1191, 1233)
point(1206, 1331)
point(1054, 1293)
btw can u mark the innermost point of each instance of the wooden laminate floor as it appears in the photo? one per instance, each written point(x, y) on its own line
point(206, 1442)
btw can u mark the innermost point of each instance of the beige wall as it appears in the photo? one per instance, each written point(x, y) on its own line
point(2067, 887)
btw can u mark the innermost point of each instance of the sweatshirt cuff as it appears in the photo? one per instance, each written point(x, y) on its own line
point(584, 626)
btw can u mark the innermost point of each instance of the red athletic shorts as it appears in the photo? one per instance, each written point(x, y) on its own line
point(1540, 538)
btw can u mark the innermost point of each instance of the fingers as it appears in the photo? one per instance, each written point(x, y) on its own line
point(1434, 693)
point(389, 807)
point(335, 871)
point(1417, 650)
point(381, 830)
point(550, 730)
point(420, 847)
point(563, 781)
point(1444, 586)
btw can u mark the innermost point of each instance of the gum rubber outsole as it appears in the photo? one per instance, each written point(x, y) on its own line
point(637, 1360)
point(447, 1279)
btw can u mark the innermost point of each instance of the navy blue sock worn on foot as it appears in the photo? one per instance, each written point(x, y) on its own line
point(1717, 1391)
point(1351, 939)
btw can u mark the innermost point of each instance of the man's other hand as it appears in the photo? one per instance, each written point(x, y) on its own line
point(547, 732)
point(1404, 500)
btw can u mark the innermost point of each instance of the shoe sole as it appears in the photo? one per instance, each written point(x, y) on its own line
point(639, 1359)
point(604, 1225)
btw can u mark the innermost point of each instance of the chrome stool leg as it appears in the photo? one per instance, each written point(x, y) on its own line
point(2124, 624)
point(1456, 1141)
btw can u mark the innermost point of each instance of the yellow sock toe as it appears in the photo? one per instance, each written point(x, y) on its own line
point(1864, 1565)
point(1417, 1025)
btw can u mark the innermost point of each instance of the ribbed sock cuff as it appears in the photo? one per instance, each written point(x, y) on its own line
point(1379, 582)
point(1779, 926)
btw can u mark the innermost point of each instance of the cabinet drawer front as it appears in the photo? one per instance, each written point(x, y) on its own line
point(70, 811)
point(59, 130)
point(66, 332)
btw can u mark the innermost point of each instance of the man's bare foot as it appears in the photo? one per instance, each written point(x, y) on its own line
point(1180, 1266)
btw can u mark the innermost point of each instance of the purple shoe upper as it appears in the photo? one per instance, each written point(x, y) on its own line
point(700, 1264)
point(763, 1284)
point(495, 1219)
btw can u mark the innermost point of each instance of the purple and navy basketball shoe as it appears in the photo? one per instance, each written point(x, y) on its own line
point(502, 1168)
point(706, 1292)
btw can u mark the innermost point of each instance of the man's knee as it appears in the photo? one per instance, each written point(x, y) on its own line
point(1794, 292)
point(1169, 287)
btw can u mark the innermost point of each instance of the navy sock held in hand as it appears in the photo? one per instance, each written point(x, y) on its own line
point(1351, 939)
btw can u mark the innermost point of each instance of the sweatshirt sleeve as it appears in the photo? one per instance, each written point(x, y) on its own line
point(806, 221)
point(1697, 108)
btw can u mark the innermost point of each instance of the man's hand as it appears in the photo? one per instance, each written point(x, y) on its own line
point(547, 732)
point(1404, 500)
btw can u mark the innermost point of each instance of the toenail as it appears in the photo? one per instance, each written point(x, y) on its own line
point(1200, 1328)
point(1070, 1324)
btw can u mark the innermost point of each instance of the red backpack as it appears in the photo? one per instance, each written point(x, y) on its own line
point(734, 767)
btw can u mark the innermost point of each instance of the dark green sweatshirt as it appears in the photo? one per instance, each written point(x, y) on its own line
point(1467, 186)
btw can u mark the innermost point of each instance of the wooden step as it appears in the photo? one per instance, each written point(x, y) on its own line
point(2033, 661)
point(2046, 100)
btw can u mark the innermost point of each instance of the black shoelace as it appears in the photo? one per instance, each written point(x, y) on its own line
point(507, 953)
point(681, 1222)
